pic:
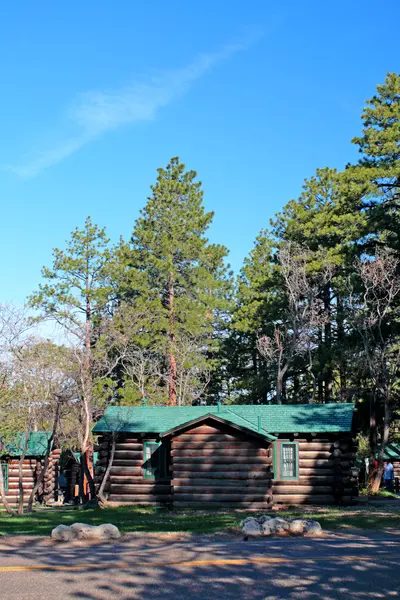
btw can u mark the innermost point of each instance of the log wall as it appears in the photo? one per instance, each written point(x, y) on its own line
point(126, 483)
point(31, 471)
point(213, 466)
point(325, 472)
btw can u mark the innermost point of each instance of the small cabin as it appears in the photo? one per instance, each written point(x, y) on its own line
point(32, 465)
point(239, 456)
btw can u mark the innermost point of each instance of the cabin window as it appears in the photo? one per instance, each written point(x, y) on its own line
point(4, 468)
point(289, 460)
point(154, 460)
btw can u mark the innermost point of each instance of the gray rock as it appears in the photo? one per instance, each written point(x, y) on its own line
point(297, 526)
point(62, 533)
point(266, 528)
point(82, 531)
point(252, 528)
point(313, 528)
point(279, 525)
point(108, 531)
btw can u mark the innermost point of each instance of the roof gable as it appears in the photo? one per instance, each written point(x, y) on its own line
point(293, 418)
point(226, 420)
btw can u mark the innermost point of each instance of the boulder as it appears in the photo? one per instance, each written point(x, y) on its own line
point(279, 525)
point(108, 531)
point(62, 533)
point(82, 531)
point(252, 528)
point(297, 526)
point(313, 528)
point(266, 527)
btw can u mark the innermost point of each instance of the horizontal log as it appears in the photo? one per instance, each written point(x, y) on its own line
point(225, 505)
point(315, 472)
point(278, 489)
point(215, 461)
point(15, 486)
point(314, 455)
point(130, 440)
point(122, 462)
point(213, 490)
point(223, 474)
point(132, 447)
point(228, 445)
point(227, 466)
point(325, 463)
point(227, 483)
point(128, 455)
point(131, 470)
point(222, 498)
point(215, 454)
point(304, 499)
point(146, 499)
point(134, 480)
point(213, 438)
point(140, 490)
point(316, 447)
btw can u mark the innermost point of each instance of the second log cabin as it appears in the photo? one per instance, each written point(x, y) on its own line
point(239, 456)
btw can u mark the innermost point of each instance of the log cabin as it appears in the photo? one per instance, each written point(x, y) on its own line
point(392, 453)
point(239, 456)
point(10, 455)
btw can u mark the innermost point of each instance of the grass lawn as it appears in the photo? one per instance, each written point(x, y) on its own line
point(148, 519)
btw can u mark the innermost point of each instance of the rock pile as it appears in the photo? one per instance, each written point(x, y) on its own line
point(265, 526)
point(81, 531)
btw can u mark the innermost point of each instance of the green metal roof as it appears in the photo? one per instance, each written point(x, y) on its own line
point(37, 444)
point(295, 418)
point(392, 452)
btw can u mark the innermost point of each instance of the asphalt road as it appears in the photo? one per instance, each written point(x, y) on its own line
point(200, 568)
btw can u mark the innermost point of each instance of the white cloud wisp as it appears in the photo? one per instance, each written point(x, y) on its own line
point(96, 113)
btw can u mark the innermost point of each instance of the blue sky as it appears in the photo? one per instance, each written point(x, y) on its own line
point(253, 95)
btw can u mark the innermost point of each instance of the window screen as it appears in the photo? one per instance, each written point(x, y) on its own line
point(289, 460)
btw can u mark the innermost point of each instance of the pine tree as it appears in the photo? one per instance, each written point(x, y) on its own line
point(75, 294)
point(176, 274)
point(376, 177)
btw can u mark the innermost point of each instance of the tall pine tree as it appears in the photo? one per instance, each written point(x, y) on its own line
point(178, 276)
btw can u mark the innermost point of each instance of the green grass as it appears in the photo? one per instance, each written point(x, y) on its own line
point(148, 519)
point(127, 519)
point(332, 518)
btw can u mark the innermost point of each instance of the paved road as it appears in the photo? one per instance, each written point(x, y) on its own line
point(147, 568)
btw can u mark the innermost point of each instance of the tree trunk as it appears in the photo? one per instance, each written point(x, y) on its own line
point(100, 494)
point(43, 471)
point(373, 438)
point(172, 359)
point(385, 438)
point(328, 345)
point(342, 356)
point(3, 498)
point(88, 474)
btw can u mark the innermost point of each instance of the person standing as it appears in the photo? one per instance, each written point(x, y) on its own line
point(388, 476)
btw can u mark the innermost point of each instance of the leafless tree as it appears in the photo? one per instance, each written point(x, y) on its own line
point(295, 334)
point(192, 370)
point(372, 310)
